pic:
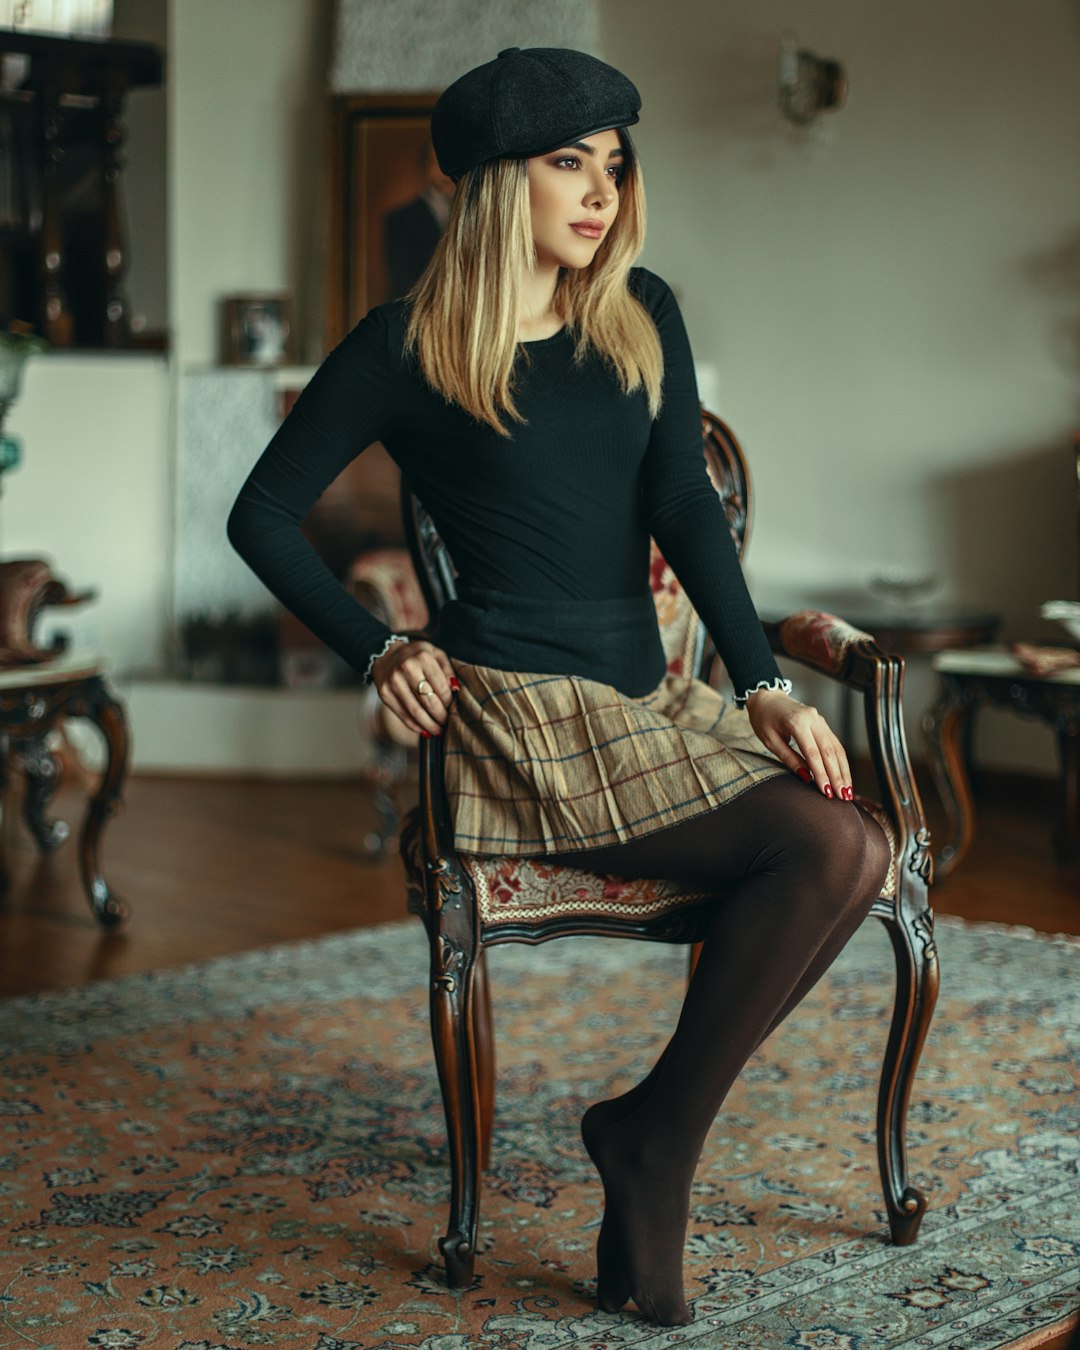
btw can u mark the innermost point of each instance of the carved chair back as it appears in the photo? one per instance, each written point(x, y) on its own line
point(686, 643)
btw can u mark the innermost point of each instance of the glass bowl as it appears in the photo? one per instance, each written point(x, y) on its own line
point(902, 587)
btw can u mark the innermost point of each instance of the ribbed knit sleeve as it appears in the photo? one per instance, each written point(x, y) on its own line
point(347, 404)
point(685, 515)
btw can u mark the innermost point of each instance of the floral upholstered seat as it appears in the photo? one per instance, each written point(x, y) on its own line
point(511, 890)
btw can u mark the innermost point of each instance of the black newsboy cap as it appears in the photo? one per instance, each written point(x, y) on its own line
point(526, 102)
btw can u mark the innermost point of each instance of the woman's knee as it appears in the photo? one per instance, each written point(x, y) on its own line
point(822, 838)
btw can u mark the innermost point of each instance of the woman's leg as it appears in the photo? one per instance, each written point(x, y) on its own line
point(800, 873)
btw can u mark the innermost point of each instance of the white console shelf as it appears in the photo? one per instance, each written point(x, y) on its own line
point(240, 730)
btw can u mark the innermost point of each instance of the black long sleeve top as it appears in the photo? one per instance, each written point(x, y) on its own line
point(563, 510)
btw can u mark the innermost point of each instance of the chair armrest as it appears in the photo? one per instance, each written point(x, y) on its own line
point(825, 642)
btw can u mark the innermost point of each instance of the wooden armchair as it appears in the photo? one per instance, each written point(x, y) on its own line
point(469, 902)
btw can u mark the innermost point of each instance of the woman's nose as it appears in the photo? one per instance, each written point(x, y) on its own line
point(601, 193)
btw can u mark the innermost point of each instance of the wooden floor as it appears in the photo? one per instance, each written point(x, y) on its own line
point(211, 867)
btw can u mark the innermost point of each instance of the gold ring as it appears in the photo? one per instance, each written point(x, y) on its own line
point(424, 693)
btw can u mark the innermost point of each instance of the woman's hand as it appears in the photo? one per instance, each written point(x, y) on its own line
point(398, 675)
point(778, 719)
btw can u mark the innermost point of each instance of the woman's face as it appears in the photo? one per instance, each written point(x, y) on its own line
point(574, 198)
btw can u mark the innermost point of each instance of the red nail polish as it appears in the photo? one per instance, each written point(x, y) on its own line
point(827, 789)
point(454, 683)
point(848, 794)
point(426, 735)
point(804, 773)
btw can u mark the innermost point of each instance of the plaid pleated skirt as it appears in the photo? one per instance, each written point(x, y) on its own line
point(540, 763)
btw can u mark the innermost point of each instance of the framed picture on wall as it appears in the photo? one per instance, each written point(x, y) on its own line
point(388, 201)
point(256, 329)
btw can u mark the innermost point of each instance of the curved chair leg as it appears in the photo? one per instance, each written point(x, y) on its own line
point(916, 993)
point(453, 1027)
point(485, 1056)
point(108, 716)
point(42, 769)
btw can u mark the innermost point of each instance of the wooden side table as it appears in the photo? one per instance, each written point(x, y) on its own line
point(922, 629)
point(993, 675)
point(32, 699)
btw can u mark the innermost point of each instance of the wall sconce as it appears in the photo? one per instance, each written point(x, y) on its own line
point(809, 84)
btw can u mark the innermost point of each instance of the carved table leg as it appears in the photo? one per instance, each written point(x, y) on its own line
point(42, 768)
point(5, 876)
point(1068, 835)
point(108, 716)
point(943, 726)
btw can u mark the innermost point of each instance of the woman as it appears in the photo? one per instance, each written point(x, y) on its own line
point(538, 393)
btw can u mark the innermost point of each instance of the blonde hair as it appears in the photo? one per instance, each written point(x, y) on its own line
point(463, 326)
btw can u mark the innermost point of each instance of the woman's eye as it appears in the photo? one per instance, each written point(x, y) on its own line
point(568, 159)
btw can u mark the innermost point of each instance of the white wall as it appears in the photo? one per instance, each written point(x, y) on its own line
point(92, 495)
point(246, 182)
point(893, 305)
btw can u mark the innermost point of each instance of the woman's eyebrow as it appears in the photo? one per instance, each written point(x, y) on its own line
point(591, 150)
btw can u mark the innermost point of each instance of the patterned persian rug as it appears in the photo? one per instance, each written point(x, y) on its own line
point(250, 1152)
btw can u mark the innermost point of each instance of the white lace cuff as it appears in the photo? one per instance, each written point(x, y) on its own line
point(394, 637)
point(784, 686)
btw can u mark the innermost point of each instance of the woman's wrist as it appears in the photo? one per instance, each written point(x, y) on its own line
point(763, 687)
point(369, 674)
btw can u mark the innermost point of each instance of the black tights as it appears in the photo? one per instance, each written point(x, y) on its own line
point(799, 874)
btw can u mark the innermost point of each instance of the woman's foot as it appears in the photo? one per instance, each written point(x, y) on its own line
point(646, 1206)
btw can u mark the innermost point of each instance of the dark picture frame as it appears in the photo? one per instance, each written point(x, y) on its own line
point(257, 329)
point(379, 164)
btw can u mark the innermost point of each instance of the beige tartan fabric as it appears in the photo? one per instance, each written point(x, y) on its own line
point(546, 763)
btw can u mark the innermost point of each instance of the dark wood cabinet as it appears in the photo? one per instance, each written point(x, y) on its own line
point(63, 242)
